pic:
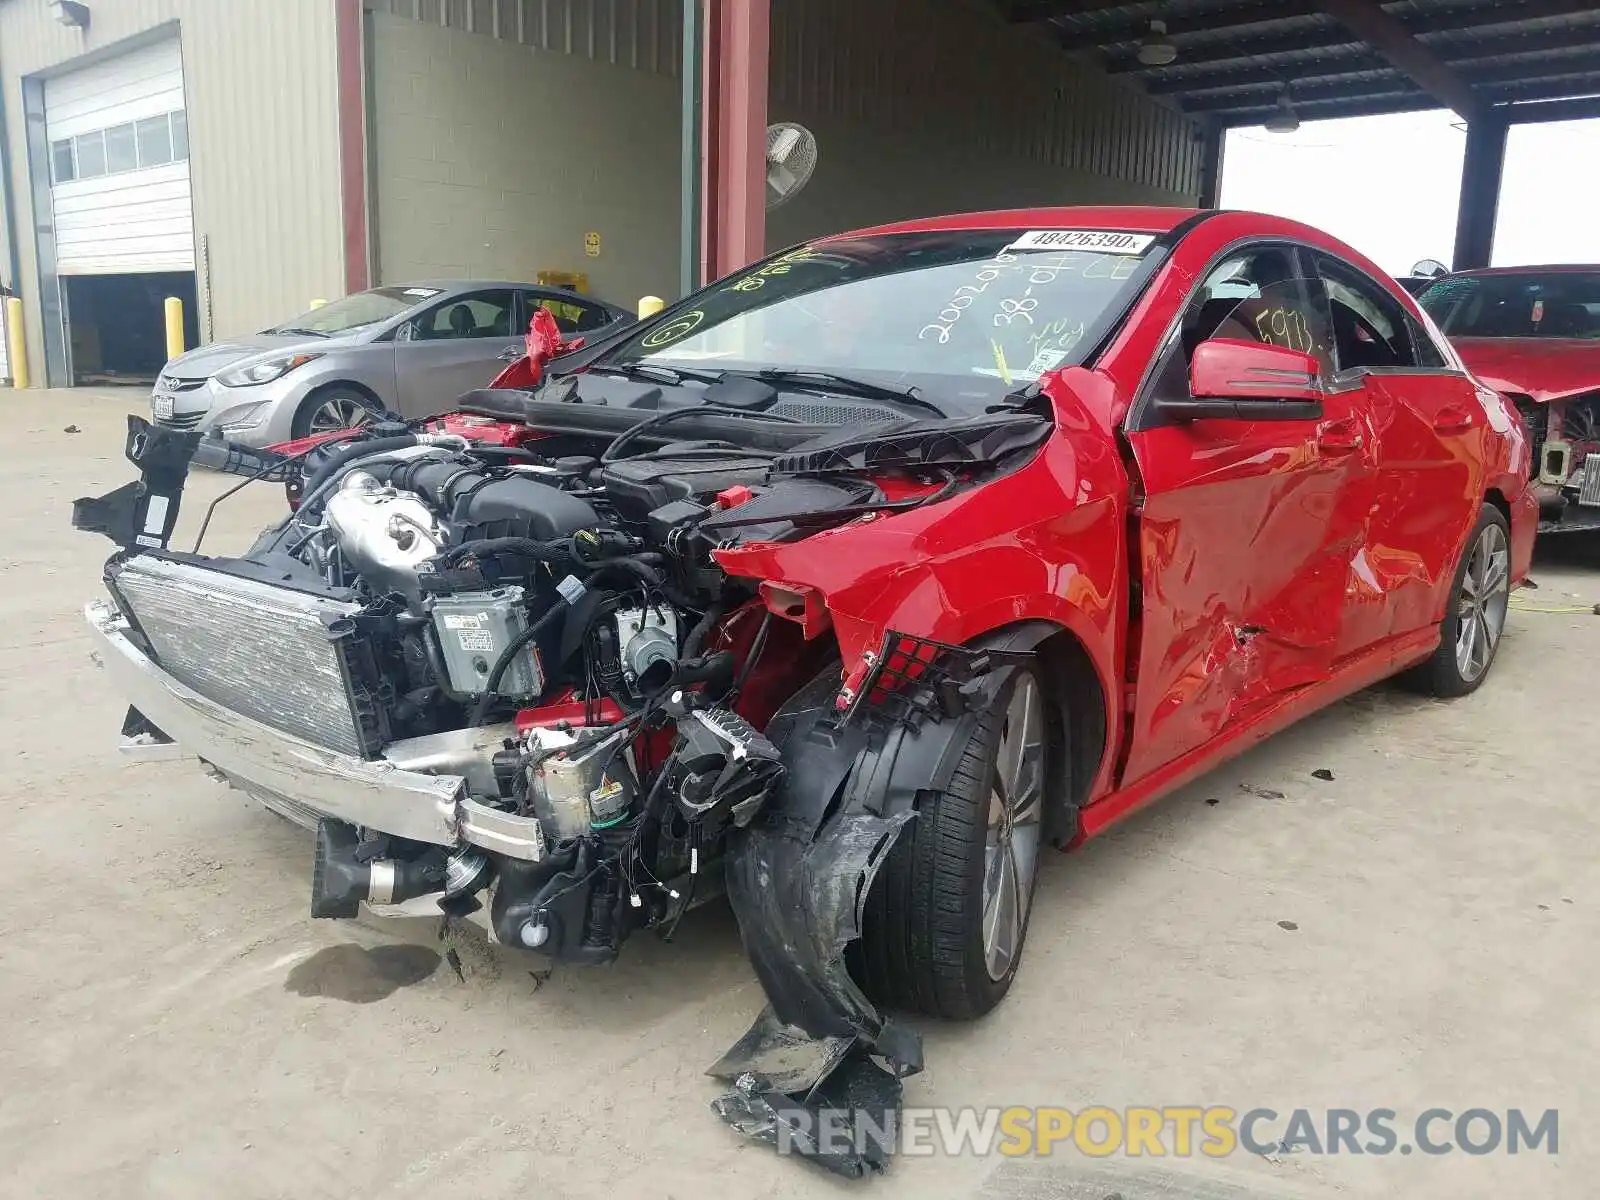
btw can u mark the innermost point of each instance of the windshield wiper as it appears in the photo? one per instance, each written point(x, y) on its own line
point(847, 385)
point(295, 329)
point(656, 371)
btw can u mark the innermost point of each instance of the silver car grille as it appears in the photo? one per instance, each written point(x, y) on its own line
point(171, 383)
point(259, 650)
point(180, 420)
point(1589, 493)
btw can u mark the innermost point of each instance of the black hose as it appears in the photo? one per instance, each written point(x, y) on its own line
point(697, 635)
point(558, 550)
point(355, 450)
point(480, 710)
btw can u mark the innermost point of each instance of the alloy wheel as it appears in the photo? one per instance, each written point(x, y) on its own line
point(1485, 596)
point(1011, 843)
point(338, 412)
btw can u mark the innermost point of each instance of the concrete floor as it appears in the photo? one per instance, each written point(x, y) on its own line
point(176, 1026)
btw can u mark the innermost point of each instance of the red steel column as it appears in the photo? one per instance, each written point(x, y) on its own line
point(349, 53)
point(734, 225)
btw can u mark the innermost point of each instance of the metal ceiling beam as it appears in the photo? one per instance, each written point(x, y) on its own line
point(1240, 16)
point(1269, 77)
point(1566, 88)
point(1391, 39)
point(1331, 109)
point(1024, 11)
point(1311, 93)
point(1338, 38)
point(1564, 66)
point(1232, 16)
point(1553, 110)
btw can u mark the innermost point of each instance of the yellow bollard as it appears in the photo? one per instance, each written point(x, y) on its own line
point(16, 342)
point(174, 308)
point(649, 306)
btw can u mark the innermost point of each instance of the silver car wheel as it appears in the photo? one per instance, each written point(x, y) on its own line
point(338, 412)
point(1485, 596)
point(1011, 843)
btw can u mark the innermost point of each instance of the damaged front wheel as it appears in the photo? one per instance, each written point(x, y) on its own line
point(946, 918)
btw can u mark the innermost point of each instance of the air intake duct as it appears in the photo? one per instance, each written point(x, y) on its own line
point(341, 879)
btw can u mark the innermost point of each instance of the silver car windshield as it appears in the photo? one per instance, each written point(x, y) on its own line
point(355, 311)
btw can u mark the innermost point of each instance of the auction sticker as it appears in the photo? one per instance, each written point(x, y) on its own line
point(1110, 241)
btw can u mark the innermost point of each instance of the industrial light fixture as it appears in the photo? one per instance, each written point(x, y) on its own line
point(70, 13)
point(1284, 119)
point(1156, 49)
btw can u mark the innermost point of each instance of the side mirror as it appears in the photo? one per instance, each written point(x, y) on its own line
point(1250, 381)
point(406, 332)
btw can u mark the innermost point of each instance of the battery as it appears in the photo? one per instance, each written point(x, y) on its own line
point(473, 630)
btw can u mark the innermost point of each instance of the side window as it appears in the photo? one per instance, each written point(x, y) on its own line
point(572, 314)
point(1428, 353)
point(1369, 327)
point(477, 315)
point(1258, 295)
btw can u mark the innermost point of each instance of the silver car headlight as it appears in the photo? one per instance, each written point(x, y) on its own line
point(265, 370)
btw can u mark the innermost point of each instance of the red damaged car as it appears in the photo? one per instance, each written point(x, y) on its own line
point(844, 586)
point(1533, 333)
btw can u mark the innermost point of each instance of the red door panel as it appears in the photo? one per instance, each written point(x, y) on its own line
point(1246, 537)
point(1431, 430)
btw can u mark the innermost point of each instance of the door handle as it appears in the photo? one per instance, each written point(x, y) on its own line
point(1339, 437)
point(510, 354)
point(1453, 418)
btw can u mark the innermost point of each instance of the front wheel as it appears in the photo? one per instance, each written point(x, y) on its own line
point(1475, 616)
point(948, 912)
point(333, 409)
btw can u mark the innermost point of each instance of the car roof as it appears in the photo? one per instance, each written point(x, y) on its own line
point(1142, 219)
point(449, 286)
point(1547, 269)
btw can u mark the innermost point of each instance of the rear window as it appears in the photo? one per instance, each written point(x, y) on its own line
point(1552, 304)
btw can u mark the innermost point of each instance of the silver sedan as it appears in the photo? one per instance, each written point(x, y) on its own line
point(409, 349)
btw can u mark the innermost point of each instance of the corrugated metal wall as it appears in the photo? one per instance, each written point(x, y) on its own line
point(922, 106)
point(895, 64)
point(643, 34)
point(263, 128)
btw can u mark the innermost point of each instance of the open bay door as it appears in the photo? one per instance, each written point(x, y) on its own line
point(124, 226)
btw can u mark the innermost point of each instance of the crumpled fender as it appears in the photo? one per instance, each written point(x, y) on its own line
point(798, 880)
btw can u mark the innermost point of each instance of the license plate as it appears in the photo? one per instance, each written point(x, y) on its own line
point(161, 406)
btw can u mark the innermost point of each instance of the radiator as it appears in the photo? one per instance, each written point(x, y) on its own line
point(259, 650)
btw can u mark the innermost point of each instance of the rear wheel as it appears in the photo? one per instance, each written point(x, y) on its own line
point(948, 913)
point(333, 409)
point(1476, 613)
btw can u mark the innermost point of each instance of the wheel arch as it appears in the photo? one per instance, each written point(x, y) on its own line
point(332, 385)
point(1080, 716)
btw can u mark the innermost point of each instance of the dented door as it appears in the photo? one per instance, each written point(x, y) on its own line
point(1244, 544)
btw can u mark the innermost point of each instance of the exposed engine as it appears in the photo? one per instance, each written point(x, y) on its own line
point(577, 600)
point(497, 665)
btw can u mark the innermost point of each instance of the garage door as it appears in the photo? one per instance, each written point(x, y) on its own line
point(119, 165)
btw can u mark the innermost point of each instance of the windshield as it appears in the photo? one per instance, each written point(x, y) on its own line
point(1552, 304)
point(352, 312)
point(963, 315)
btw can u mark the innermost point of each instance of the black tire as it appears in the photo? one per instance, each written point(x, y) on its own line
point(334, 396)
point(1445, 674)
point(922, 946)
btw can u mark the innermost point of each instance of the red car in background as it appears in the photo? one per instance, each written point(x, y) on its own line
point(853, 581)
point(1533, 333)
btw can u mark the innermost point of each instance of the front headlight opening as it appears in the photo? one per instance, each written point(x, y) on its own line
point(265, 371)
